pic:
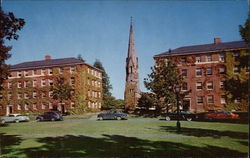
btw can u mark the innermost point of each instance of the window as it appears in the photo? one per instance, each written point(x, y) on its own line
point(99, 95)
point(210, 85)
point(19, 73)
point(198, 59)
point(34, 83)
point(9, 84)
point(223, 99)
point(19, 84)
point(88, 71)
point(19, 96)
point(19, 107)
point(26, 107)
point(236, 55)
point(198, 72)
point(26, 73)
point(50, 94)
point(100, 105)
point(88, 82)
point(72, 69)
point(222, 57)
point(43, 71)
point(72, 81)
point(25, 85)
point(93, 83)
point(50, 105)
point(198, 86)
point(184, 86)
point(43, 94)
point(89, 104)
point(199, 100)
point(50, 82)
point(43, 106)
point(236, 70)
point(222, 70)
point(43, 82)
point(26, 96)
point(184, 72)
point(209, 71)
point(210, 99)
point(73, 105)
point(89, 94)
point(34, 106)
point(100, 75)
point(1, 107)
point(50, 71)
point(208, 58)
point(222, 84)
point(34, 94)
point(1, 96)
point(35, 72)
point(61, 70)
point(183, 60)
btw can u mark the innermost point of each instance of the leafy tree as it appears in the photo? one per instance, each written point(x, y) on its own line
point(80, 57)
point(61, 91)
point(244, 30)
point(9, 25)
point(147, 100)
point(162, 82)
point(107, 95)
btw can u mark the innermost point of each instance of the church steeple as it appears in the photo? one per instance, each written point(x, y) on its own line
point(132, 89)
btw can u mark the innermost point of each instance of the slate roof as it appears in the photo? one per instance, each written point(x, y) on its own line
point(46, 63)
point(205, 48)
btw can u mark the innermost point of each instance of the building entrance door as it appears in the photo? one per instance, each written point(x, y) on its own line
point(9, 109)
point(186, 105)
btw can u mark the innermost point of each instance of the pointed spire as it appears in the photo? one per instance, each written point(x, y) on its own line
point(131, 45)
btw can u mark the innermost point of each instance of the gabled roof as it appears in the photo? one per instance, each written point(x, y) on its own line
point(46, 63)
point(205, 48)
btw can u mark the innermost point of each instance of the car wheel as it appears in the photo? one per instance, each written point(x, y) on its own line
point(52, 119)
point(189, 119)
point(167, 118)
point(2, 121)
point(118, 118)
point(17, 121)
point(38, 120)
point(100, 118)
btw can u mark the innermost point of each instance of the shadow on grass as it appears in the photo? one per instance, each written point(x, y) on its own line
point(197, 132)
point(7, 143)
point(115, 146)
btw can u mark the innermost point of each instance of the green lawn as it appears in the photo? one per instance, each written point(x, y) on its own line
point(136, 137)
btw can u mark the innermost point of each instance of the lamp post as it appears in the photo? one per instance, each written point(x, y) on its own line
point(177, 91)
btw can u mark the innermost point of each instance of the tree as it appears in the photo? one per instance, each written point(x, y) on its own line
point(244, 30)
point(162, 82)
point(107, 95)
point(147, 101)
point(61, 91)
point(9, 25)
point(80, 57)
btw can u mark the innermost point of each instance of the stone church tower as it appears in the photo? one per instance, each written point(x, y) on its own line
point(132, 89)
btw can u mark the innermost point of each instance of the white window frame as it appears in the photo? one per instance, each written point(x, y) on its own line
point(210, 83)
point(208, 98)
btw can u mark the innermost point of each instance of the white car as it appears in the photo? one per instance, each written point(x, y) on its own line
point(14, 118)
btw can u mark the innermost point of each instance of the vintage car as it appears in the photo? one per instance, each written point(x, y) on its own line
point(50, 116)
point(183, 115)
point(112, 115)
point(14, 118)
point(220, 115)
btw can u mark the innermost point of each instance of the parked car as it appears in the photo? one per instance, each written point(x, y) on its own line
point(112, 115)
point(50, 116)
point(184, 115)
point(220, 115)
point(14, 118)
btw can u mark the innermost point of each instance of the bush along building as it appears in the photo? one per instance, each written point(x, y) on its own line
point(217, 75)
point(29, 87)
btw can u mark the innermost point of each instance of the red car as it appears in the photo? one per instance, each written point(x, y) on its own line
point(220, 115)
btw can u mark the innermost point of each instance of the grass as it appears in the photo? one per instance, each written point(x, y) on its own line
point(135, 137)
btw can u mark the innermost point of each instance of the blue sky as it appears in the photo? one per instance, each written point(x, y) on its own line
point(100, 30)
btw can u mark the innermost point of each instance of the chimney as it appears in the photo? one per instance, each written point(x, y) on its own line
point(47, 57)
point(217, 40)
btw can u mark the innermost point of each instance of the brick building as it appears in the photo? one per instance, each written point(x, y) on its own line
point(204, 70)
point(28, 87)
